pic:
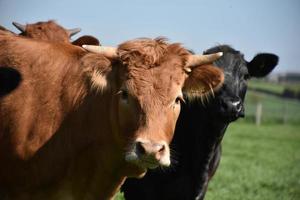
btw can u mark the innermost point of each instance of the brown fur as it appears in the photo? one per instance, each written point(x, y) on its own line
point(61, 137)
point(47, 31)
point(51, 31)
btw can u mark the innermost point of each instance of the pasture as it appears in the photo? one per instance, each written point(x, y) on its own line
point(276, 88)
point(275, 110)
point(258, 163)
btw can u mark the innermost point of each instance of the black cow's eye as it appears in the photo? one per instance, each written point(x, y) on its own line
point(247, 76)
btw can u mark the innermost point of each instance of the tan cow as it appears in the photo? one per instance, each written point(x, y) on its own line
point(79, 123)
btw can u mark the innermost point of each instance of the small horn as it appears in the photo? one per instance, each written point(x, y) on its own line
point(195, 60)
point(110, 52)
point(187, 70)
point(21, 27)
point(73, 31)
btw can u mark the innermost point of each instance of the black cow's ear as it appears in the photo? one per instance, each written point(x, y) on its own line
point(86, 39)
point(262, 64)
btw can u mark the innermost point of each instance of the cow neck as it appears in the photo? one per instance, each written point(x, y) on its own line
point(207, 137)
point(205, 131)
point(203, 119)
point(218, 128)
point(96, 172)
point(213, 130)
point(103, 149)
point(95, 175)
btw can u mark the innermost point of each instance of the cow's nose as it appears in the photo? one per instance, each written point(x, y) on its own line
point(237, 106)
point(149, 154)
point(150, 149)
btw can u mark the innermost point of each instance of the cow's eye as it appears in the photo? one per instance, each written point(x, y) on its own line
point(247, 76)
point(124, 95)
point(179, 100)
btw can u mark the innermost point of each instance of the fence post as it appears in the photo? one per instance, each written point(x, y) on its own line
point(285, 105)
point(258, 114)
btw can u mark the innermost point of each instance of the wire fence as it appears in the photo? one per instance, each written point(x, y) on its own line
point(265, 108)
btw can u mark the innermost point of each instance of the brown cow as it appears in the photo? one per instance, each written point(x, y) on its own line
point(51, 31)
point(79, 123)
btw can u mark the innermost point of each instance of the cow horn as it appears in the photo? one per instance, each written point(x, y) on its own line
point(73, 31)
point(107, 51)
point(195, 60)
point(21, 27)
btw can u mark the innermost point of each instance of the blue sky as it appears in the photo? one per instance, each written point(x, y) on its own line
point(249, 26)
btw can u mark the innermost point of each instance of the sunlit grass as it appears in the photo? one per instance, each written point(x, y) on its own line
point(258, 163)
point(119, 196)
point(261, 84)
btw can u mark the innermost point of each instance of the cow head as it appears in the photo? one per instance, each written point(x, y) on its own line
point(152, 76)
point(49, 31)
point(229, 101)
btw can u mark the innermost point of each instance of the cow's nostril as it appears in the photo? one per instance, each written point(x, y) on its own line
point(162, 148)
point(140, 148)
point(236, 103)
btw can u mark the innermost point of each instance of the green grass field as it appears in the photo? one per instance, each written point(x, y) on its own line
point(275, 110)
point(258, 163)
point(261, 84)
point(273, 87)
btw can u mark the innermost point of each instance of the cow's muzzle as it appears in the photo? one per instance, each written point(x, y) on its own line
point(148, 154)
point(234, 109)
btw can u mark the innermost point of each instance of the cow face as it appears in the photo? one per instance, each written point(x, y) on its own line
point(148, 107)
point(146, 100)
point(51, 31)
point(150, 97)
point(229, 101)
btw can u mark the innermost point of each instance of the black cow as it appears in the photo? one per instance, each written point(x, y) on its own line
point(199, 132)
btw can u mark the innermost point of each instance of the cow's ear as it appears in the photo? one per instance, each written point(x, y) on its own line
point(203, 80)
point(86, 39)
point(262, 64)
point(98, 69)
